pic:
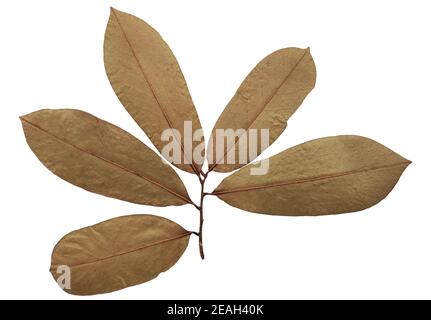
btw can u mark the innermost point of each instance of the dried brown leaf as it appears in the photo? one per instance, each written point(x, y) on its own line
point(102, 158)
point(147, 79)
point(323, 176)
point(117, 253)
point(266, 99)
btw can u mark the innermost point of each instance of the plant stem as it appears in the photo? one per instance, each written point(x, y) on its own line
point(201, 216)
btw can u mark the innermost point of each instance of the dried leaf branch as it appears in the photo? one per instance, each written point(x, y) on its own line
point(325, 176)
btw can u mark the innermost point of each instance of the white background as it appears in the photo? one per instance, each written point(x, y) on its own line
point(373, 79)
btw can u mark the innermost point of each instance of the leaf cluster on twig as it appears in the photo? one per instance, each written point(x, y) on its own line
point(330, 175)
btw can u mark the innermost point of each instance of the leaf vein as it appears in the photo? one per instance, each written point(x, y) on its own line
point(312, 179)
point(130, 251)
point(165, 116)
point(267, 101)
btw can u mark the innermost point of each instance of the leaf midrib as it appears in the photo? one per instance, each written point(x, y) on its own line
point(312, 179)
point(116, 255)
point(153, 91)
point(119, 166)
